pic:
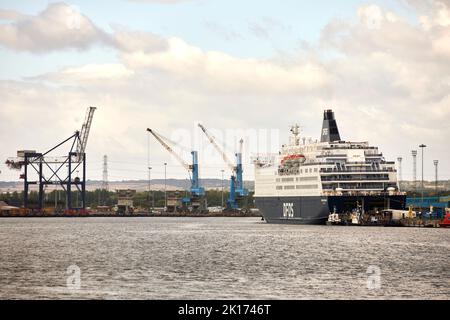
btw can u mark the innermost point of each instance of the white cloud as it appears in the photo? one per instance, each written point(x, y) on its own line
point(220, 72)
point(394, 79)
point(433, 13)
point(437, 23)
point(59, 26)
point(10, 15)
point(89, 72)
point(388, 81)
point(371, 16)
point(136, 41)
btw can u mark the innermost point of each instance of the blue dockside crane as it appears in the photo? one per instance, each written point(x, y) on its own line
point(237, 189)
point(196, 190)
point(240, 189)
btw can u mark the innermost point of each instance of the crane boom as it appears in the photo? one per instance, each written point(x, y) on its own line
point(168, 148)
point(214, 143)
point(84, 133)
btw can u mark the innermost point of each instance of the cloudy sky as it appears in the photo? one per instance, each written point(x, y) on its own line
point(242, 68)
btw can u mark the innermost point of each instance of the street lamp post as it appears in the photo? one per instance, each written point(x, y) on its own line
point(165, 185)
point(222, 187)
point(400, 173)
point(149, 186)
point(422, 146)
point(78, 175)
point(436, 164)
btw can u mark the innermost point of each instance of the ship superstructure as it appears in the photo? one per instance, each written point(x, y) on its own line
point(309, 179)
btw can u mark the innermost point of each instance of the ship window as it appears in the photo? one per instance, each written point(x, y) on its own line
point(315, 169)
point(279, 187)
point(287, 180)
point(308, 178)
point(289, 187)
point(309, 186)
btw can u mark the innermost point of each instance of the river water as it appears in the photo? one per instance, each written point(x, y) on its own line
point(218, 258)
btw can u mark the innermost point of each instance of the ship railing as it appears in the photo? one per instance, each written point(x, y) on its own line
point(328, 179)
point(350, 145)
point(264, 160)
point(379, 186)
point(347, 170)
point(362, 193)
point(366, 162)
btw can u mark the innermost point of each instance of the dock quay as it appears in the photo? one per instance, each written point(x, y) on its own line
point(390, 218)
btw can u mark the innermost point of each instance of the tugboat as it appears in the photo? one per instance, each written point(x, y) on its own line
point(334, 219)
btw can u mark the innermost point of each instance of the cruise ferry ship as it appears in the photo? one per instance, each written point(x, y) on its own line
point(310, 179)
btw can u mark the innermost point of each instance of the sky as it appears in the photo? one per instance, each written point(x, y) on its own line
point(245, 69)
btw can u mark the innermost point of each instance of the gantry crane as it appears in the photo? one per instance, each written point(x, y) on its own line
point(84, 133)
point(240, 189)
point(196, 190)
point(54, 175)
point(237, 189)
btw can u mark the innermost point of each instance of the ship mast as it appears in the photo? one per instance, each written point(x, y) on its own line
point(295, 129)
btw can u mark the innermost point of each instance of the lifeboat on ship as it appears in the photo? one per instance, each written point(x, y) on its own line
point(293, 159)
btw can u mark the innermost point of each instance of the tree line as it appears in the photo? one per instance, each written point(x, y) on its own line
point(142, 199)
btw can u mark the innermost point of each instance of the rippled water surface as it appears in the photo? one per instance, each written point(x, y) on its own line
point(218, 258)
